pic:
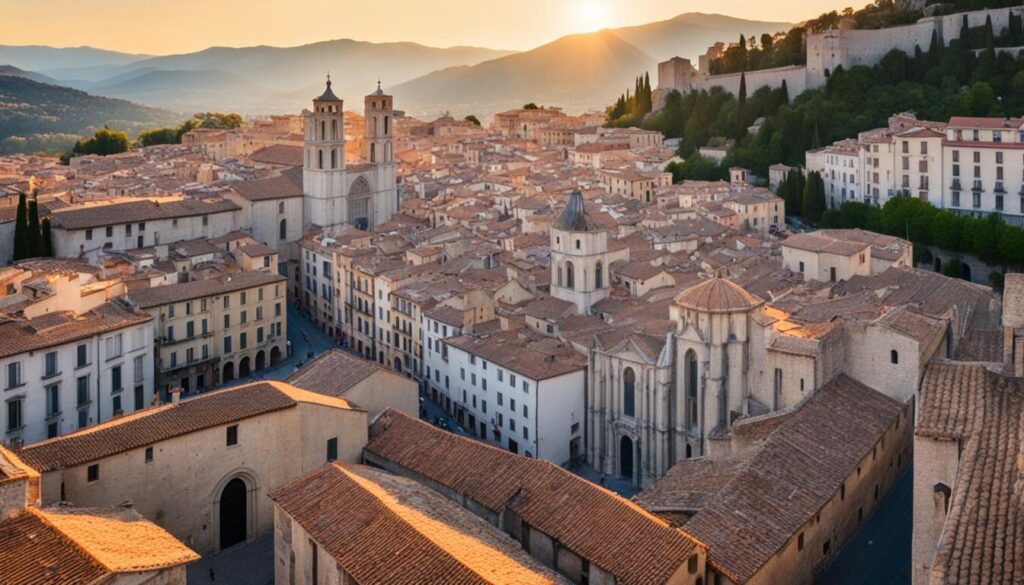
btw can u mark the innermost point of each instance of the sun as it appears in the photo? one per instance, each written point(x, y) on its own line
point(589, 15)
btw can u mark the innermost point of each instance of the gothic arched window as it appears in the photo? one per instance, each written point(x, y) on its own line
point(570, 276)
point(323, 130)
point(319, 159)
point(629, 392)
point(334, 158)
point(373, 153)
point(334, 129)
point(691, 388)
point(599, 276)
point(283, 230)
point(386, 124)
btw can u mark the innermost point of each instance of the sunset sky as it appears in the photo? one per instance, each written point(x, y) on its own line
point(176, 26)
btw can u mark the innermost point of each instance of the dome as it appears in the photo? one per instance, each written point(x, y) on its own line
point(717, 295)
point(574, 217)
point(328, 95)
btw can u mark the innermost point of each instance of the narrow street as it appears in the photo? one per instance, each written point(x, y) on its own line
point(879, 552)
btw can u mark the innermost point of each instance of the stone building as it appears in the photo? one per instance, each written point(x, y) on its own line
point(579, 257)
point(201, 468)
point(362, 382)
point(356, 524)
point(364, 195)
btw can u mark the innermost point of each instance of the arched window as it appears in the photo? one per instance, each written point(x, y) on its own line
point(282, 230)
point(323, 130)
point(894, 356)
point(577, 244)
point(570, 276)
point(691, 388)
point(373, 152)
point(334, 158)
point(941, 493)
point(599, 276)
point(320, 159)
point(334, 129)
point(386, 125)
point(629, 392)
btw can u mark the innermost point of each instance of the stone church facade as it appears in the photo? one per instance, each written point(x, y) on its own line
point(364, 195)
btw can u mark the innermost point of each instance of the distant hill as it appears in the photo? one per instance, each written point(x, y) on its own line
point(181, 91)
point(39, 116)
point(576, 72)
point(16, 72)
point(690, 34)
point(270, 78)
point(46, 59)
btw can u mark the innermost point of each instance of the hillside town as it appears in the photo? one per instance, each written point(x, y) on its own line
point(346, 346)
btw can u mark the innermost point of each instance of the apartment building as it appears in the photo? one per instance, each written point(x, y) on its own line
point(209, 332)
point(64, 371)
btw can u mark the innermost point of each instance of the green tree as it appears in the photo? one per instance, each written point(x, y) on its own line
point(530, 106)
point(20, 244)
point(47, 240)
point(33, 245)
point(104, 142)
point(741, 107)
point(813, 198)
point(159, 136)
point(978, 101)
point(472, 119)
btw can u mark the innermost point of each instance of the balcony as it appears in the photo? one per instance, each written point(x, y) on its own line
point(999, 188)
point(977, 187)
point(955, 186)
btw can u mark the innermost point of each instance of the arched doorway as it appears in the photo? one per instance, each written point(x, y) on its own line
point(261, 360)
point(243, 367)
point(965, 271)
point(398, 365)
point(233, 517)
point(626, 458)
point(229, 372)
point(380, 357)
point(275, 355)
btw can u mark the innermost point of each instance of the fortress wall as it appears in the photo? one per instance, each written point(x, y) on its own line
point(794, 76)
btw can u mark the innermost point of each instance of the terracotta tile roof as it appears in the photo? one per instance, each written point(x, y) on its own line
point(689, 485)
point(24, 335)
point(983, 537)
point(801, 465)
point(93, 216)
point(120, 539)
point(607, 530)
point(717, 295)
point(382, 528)
point(279, 187)
point(335, 372)
point(164, 422)
point(535, 357)
point(147, 298)
point(278, 154)
point(816, 242)
point(33, 552)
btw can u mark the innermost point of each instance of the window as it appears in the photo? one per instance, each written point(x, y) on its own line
point(82, 357)
point(52, 400)
point(114, 346)
point(93, 472)
point(115, 379)
point(117, 405)
point(51, 364)
point(110, 231)
point(13, 415)
point(894, 356)
point(82, 387)
point(227, 344)
point(332, 449)
point(569, 276)
point(149, 454)
point(800, 541)
point(88, 234)
point(139, 368)
point(526, 387)
point(629, 392)
point(232, 435)
point(13, 374)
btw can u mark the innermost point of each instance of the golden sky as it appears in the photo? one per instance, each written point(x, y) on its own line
point(177, 26)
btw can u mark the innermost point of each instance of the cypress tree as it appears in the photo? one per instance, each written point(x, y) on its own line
point(990, 35)
point(741, 107)
point(21, 228)
point(785, 92)
point(965, 34)
point(32, 247)
point(47, 240)
point(814, 198)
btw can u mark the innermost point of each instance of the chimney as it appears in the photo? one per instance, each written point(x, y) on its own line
point(175, 395)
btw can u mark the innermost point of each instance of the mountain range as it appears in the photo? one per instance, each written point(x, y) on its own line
point(577, 72)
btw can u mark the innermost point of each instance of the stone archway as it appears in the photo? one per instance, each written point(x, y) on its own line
point(234, 509)
point(261, 360)
point(232, 516)
point(243, 367)
point(398, 365)
point(228, 373)
point(275, 355)
point(626, 458)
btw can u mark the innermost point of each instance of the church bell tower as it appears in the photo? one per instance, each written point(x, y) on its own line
point(323, 170)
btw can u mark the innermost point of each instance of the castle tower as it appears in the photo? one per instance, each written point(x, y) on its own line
point(323, 171)
point(579, 257)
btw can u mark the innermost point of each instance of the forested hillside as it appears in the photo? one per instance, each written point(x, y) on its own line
point(42, 117)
